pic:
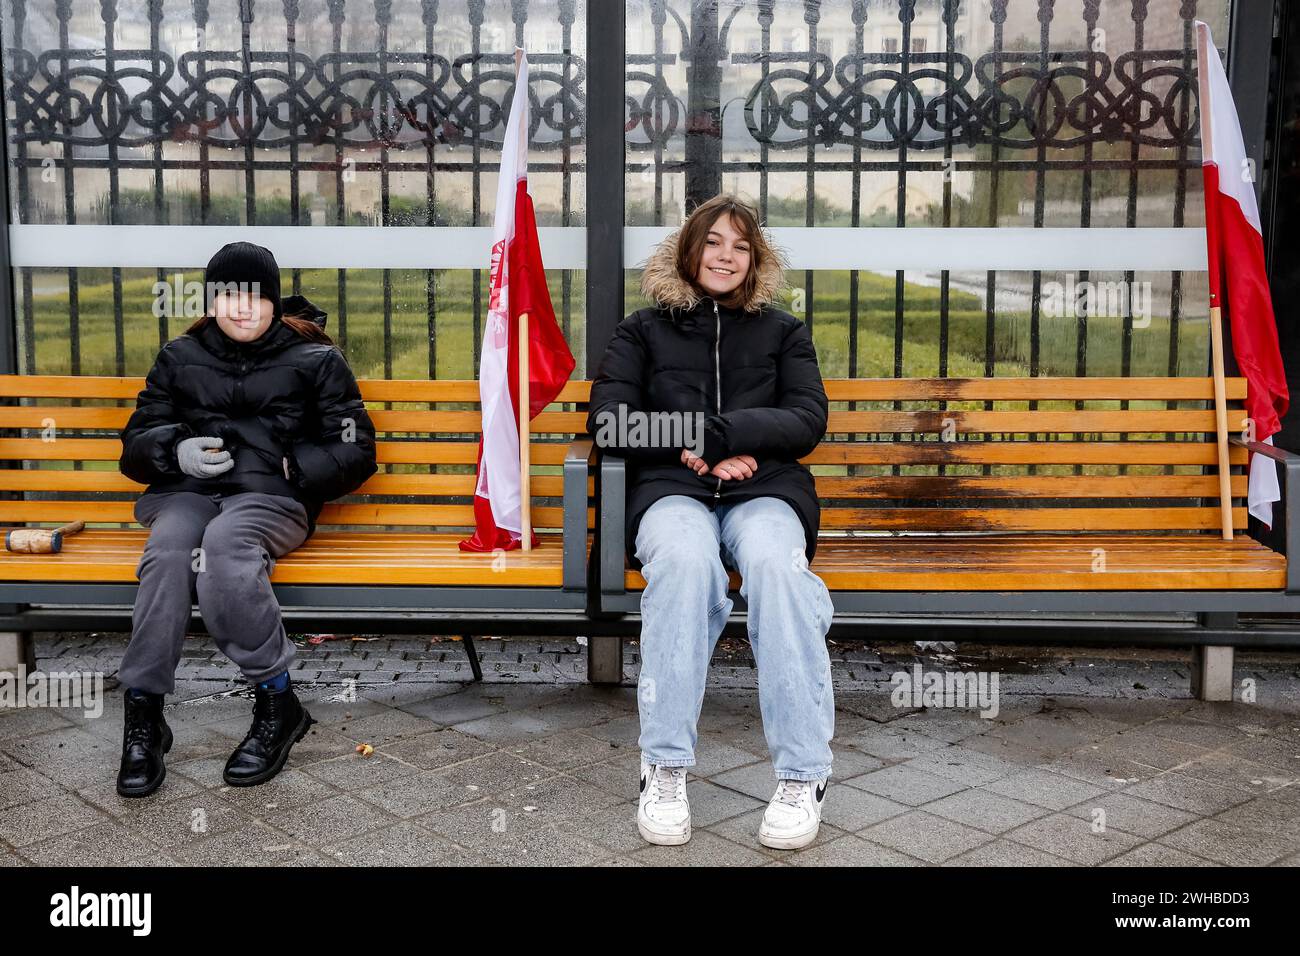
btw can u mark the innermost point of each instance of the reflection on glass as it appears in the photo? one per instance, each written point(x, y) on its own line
point(398, 348)
point(325, 113)
point(907, 113)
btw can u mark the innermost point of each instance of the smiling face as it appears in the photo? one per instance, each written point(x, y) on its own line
point(242, 315)
point(725, 261)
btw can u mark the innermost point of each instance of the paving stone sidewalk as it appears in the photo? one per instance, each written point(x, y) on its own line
point(1095, 758)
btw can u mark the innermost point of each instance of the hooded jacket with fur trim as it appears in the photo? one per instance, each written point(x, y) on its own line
point(750, 372)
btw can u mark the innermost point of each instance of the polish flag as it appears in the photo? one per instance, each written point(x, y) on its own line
point(1238, 279)
point(517, 285)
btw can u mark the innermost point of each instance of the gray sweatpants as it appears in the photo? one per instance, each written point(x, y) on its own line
point(219, 550)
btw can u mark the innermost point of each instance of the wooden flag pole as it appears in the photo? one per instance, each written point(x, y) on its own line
point(525, 493)
point(1221, 421)
point(1216, 311)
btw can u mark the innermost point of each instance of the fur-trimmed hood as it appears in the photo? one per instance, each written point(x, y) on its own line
point(664, 285)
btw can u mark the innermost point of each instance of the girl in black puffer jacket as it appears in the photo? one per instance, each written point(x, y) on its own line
point(716, 353)
point(247, 424)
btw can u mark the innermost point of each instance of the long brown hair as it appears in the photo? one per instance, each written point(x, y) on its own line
point(308, 329)
point(695, 233)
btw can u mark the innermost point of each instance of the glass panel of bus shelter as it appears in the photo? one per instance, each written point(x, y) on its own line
point(945, 114)
point(364, 113)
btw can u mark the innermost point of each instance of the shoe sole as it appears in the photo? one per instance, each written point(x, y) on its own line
point(788, 843)
point(662, 839)
point(134, 792)
point(304, 725)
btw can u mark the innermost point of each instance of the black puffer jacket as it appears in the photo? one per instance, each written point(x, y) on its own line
point(276, 398)
point(772, 404)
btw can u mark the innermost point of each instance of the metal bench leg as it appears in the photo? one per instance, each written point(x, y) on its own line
point(1212, 666)
point(468, 641)
point(605, 660)
point(17, 649)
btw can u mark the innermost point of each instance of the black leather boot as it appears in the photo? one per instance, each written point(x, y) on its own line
point(279, 722)
point(145, 738)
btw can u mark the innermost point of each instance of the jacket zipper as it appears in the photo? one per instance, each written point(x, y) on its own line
point(717, 375)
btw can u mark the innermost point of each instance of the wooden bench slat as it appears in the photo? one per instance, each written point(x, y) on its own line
point(108, 546)
point(372, 390)
point(428, 559)
point(347, 539)
point(462, 453)
point(16, 512)
point(1022, 422)
point(1037, 563)
point(1044, 388)
point(1026, 486)
point(1026, 519)
point(65, 418)
point(830, 487)
point(1020, 453)
point(1031, 559)
point(470, 422)
point(1262, 579)
point(865, 519)
point(543, 486)
point(1174, 543)
point(417, 421)
point(1189, 388)
point(70, 386)
point(388, 452)
point(64, 449)
point(413, 390)
point(65, 479)
point(427, 515)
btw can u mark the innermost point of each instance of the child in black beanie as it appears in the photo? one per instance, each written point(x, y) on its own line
point(248, 423)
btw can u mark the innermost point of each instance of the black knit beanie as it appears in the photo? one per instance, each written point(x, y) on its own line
point(244, 262)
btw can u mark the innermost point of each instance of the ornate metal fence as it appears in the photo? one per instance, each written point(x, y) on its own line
point(900, 115)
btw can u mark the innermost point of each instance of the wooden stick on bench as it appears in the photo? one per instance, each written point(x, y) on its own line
point(1221, 421)
point(525, 496)
point(1216, 312)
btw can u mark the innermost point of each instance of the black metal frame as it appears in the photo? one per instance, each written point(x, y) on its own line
point(606, 43)
point(1290, 487)
point(1251, 46)
point(324, 596)
point(8, 326)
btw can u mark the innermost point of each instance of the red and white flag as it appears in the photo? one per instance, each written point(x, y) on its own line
point(1238, 279)
point(517, 285)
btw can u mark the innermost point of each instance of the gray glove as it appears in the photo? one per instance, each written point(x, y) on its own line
point(197, 462)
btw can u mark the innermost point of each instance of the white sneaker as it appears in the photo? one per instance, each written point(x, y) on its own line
point(794, 814)
point(664, 815)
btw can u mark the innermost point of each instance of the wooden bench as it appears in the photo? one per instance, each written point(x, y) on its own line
point(912, 524)
point(1003, 496)
point(389, 552)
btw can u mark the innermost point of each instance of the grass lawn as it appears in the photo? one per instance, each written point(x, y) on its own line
point(408, 327)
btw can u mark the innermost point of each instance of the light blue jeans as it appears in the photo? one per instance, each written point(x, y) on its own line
point(686, 549)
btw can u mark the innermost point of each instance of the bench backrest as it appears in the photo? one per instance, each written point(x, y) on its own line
point(916, 455)
point(1026, 454)
point(64, 456)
